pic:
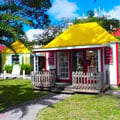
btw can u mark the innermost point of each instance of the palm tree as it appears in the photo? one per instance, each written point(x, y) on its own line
point(8, 32)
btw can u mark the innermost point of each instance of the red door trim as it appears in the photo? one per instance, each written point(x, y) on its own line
point(101, 52)
point(117, 64)
point(56, 63)
point(70, 66)
point(45, 61)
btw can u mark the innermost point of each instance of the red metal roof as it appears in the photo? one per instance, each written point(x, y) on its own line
point(1, 47)
point(116, 33)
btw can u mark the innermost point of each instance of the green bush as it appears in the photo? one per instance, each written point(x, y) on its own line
point(118, 38)
point(8, 68)
point(28, 68)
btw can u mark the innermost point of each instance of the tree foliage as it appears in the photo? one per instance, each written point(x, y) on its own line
point(47, 35)
point(102, 20)
point(15, 13)
point(51, 32)
point(32, 10)
point(90, 13)
point(8, 32)
point(107, 24)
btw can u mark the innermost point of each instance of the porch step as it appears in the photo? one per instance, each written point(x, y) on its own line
point(63, 91)
point(86, 91)
point(62, 84)
point(63, 87)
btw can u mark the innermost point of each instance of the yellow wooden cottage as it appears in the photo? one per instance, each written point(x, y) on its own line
point(22, 55)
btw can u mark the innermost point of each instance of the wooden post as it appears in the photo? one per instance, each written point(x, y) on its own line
point(34, 64)
point(23, 74)
point(37, 63)
point(4, 75)
point(102, 81)
point(32, 77)
point(73, 78)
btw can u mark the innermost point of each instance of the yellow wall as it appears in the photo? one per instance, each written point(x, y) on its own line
point(23, 59)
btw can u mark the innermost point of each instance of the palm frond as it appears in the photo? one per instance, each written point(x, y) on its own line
point(8, 28)
point(9, 17)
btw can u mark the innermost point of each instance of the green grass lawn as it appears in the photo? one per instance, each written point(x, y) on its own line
point(113, 88)
point(83, 107)
point(13, 92)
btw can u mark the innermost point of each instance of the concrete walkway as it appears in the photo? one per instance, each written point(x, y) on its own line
point(113, 92)
point(29, 110)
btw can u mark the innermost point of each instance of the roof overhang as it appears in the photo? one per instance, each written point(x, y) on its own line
point(70, 48)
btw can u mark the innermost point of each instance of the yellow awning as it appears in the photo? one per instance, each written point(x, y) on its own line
point(18, 47)
point(82, 35)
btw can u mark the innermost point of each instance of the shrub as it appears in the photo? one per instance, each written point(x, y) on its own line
point(28, 68)
point(8, 68)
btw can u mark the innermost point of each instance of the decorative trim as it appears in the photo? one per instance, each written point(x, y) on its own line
point(45, 61)
point(70, 47)
point(101, 51)
point(65, 48)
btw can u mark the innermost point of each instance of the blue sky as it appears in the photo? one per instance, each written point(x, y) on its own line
point(75, 8)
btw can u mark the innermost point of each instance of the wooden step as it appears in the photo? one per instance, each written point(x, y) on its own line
point(62, 84)
point(86, 91)
point(62, 91)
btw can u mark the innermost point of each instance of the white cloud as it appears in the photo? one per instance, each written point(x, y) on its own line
point(30, 33)
point(63, 9)
point(114, 13)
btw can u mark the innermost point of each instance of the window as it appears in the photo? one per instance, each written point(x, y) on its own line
point(80, 61)
point(15, 59)
point(91, 55)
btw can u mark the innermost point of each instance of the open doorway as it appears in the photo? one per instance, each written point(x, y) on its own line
point(41, 63)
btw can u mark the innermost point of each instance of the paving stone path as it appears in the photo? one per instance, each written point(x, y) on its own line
point(29, 110)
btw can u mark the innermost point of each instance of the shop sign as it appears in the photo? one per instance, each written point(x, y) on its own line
point(108, 55)
point(51, 58)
